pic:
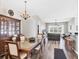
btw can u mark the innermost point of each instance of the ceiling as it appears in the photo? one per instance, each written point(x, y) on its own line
point(45, 9)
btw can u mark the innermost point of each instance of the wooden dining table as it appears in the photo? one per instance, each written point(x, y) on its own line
point(27, 46)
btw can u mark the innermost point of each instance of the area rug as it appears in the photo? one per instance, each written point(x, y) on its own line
point(59, 54)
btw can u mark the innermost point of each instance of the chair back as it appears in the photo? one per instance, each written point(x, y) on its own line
point(13, 50)
point(14, 38)
point(2, 48)
point(22, 38)
point(39, 37)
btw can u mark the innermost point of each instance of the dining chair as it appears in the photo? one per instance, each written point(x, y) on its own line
point(38, 50)
point(22, 38)
point(3, 50)
point(39, 37)
point(14, 38)
point(14, 52)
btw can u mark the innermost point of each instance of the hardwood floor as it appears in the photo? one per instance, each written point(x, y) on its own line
point(48, 51)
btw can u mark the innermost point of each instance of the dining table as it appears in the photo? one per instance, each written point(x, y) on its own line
point(27, 46)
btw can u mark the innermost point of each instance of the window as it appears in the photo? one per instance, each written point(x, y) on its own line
point(55, 29)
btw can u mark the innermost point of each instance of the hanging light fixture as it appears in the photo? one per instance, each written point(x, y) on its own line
point(25, 16)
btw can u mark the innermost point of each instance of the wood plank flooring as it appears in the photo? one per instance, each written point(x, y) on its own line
point(48, 51)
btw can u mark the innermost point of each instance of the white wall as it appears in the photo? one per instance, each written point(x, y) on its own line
point(29, 27)
point(40, 23)
point(74, 24)
point(41, 26)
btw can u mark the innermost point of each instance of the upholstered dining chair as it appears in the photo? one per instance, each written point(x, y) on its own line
point(38, 50)
point(22, 38)
point(39, 37)
point(14, 52)
point(14, 38)
point(3, 49)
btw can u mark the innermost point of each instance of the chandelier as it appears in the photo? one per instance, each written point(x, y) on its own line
point(25, 16)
